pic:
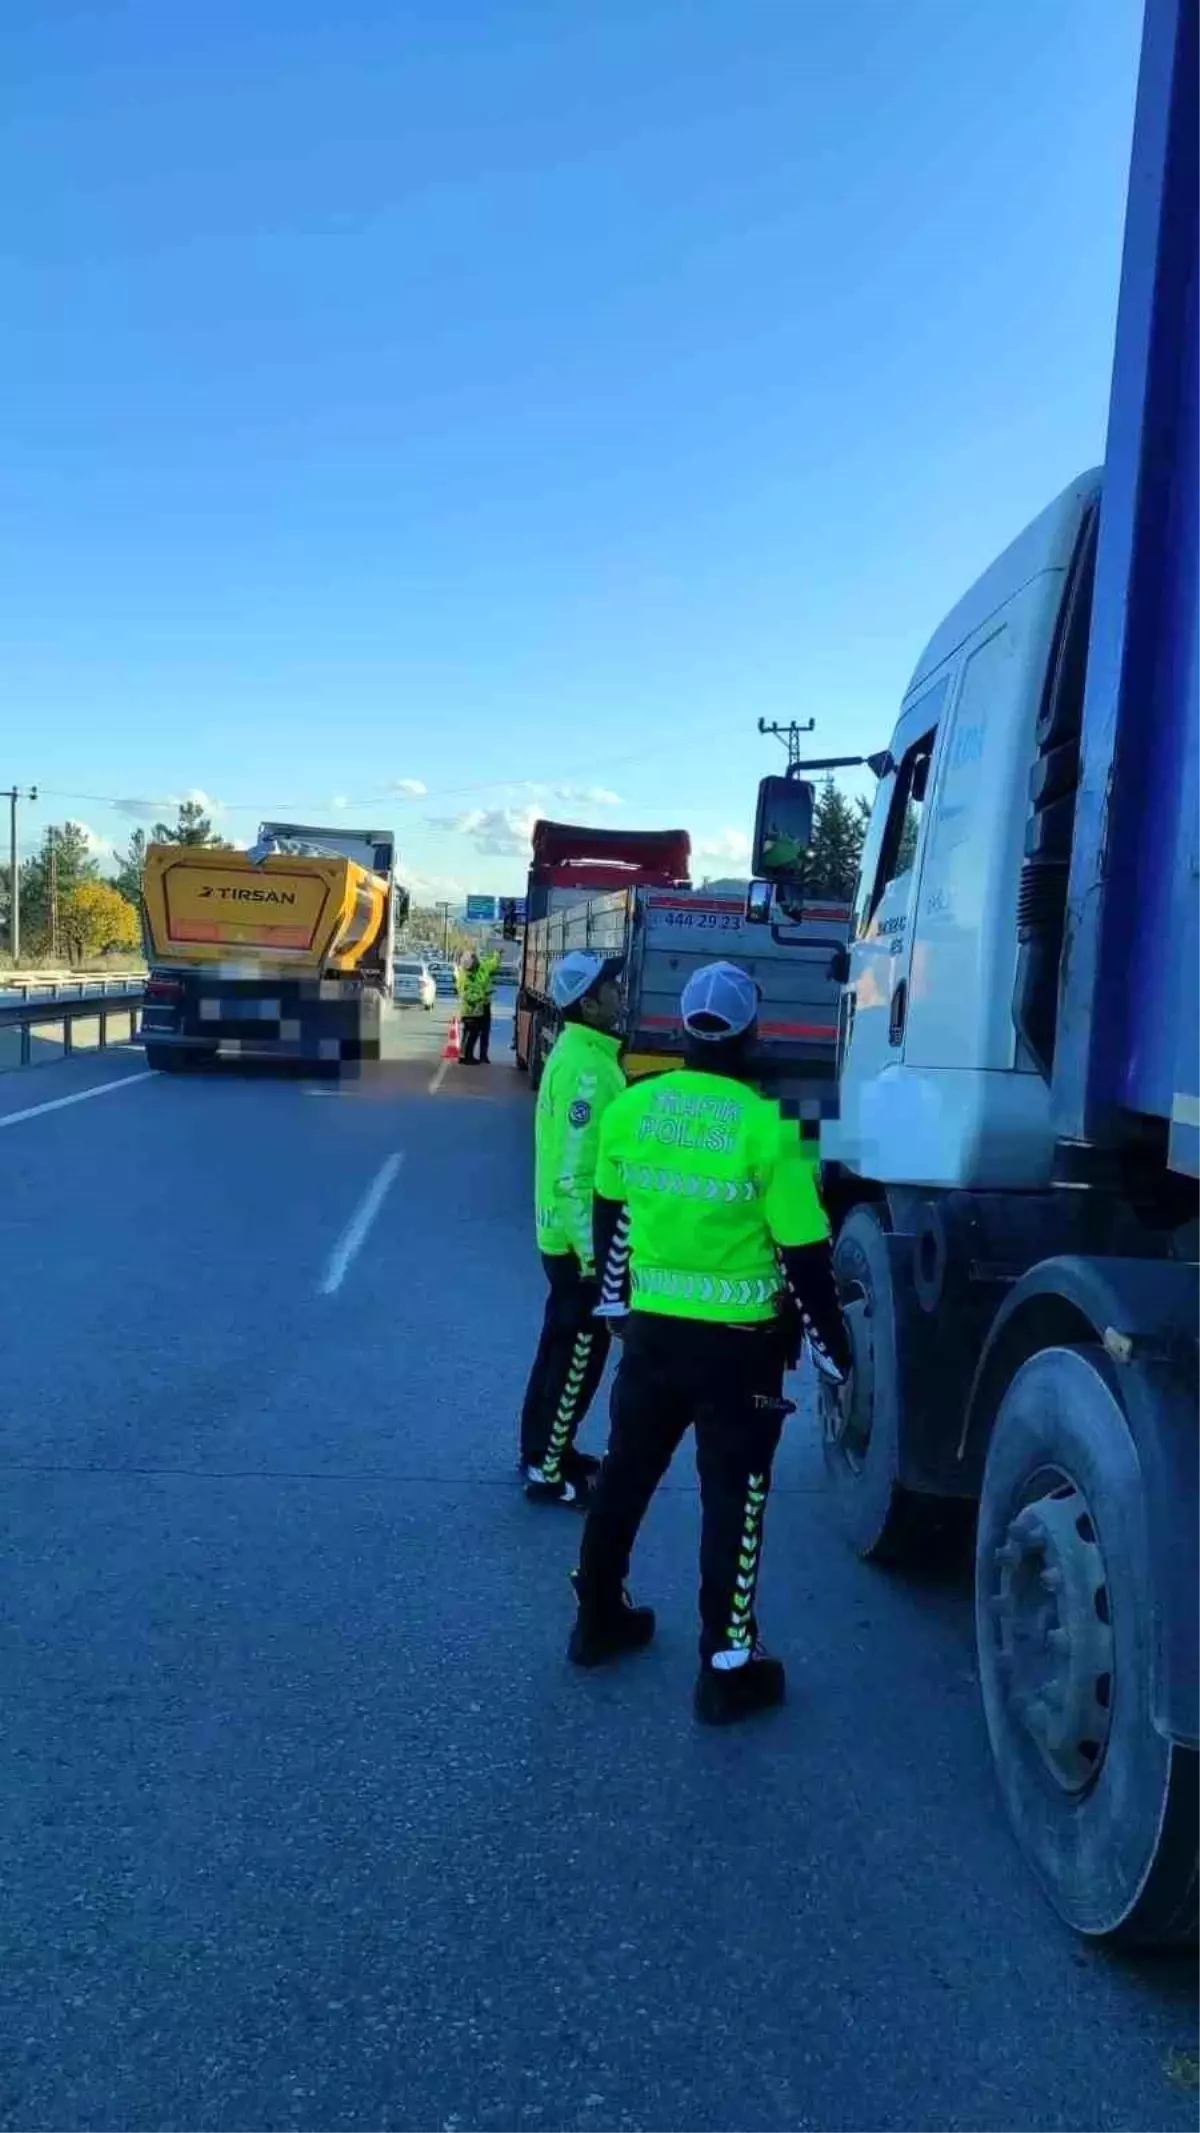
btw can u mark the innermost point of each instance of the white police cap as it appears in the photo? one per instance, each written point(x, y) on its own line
point(719, 1001)
point(576, 974)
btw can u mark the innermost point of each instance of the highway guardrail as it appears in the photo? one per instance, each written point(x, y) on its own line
point(92, 1000)
point(90, 984)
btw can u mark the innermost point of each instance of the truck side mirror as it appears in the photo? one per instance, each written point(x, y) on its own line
point(782, 828)
point(839, 966)
point(759, 895)
point(403, 901)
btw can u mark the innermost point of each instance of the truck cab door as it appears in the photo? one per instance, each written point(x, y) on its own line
point(874, 1004)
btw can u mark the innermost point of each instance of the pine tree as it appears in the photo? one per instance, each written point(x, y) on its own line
point(839, 825)
point(130, 868)
point(62, 866)
point(193, 826)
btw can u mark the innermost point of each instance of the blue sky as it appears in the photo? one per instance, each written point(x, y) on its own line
point(453, 411)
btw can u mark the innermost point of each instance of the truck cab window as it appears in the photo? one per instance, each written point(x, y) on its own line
point(899, 845)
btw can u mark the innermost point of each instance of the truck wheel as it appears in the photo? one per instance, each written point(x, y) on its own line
point(168, 1059)
point(1102, 1805)
point(861, 1422)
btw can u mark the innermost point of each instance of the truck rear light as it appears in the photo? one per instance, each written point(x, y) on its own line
point(161, 992)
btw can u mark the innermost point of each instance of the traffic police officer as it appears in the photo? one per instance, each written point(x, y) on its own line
point(726, 1265)
point(581, 1078)
point(475, 979)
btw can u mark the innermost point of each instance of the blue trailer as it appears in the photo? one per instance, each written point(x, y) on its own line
point(1013, 1170)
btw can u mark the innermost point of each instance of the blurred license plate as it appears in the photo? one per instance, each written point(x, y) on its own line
point(250, 1010)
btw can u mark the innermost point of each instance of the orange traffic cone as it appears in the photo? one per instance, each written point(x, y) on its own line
point(450, 1048)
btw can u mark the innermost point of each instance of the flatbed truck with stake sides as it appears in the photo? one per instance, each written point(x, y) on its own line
point(661, 936)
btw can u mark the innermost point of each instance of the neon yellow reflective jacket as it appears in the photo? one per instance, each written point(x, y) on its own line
point(579, 1082)
point(475, 987)
point(714, 1178)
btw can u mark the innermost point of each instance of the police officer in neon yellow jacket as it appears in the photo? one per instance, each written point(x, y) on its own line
point(581, 1078)
point(709, 1227)
point(475, 981)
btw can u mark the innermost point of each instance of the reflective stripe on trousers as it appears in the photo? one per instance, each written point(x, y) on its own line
point(560, 1428)
point(742, 1609)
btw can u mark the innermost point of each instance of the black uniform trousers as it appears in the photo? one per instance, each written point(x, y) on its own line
point(728, 1382)
point(567, 1368)
point(477, 1030)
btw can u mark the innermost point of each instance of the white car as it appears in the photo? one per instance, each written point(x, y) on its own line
point(414, 986)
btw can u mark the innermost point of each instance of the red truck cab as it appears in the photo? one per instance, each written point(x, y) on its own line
point(571, 863)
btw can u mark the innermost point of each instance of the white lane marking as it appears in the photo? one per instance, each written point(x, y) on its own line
point(354, 1236)
point(62, 1103)
point(439, 1077)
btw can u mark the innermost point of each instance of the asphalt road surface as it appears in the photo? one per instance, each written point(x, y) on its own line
point(306, 1821)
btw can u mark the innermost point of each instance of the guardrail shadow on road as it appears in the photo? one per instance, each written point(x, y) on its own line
point(41, 1031)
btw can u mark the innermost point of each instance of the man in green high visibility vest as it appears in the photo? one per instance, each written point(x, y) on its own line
point(475, 981)
point(581, 1079)
point(709, 1227)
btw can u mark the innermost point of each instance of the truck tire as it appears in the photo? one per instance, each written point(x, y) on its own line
point(1103, 1806)
point(170, 1059)
point(861, 1423)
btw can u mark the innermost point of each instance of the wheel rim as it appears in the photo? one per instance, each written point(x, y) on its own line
point(1053, 1650)
point(847, 1410)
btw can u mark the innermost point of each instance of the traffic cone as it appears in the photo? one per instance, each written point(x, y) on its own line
point(450, 1048)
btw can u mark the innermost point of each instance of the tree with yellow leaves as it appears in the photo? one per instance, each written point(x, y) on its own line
point(95, 919)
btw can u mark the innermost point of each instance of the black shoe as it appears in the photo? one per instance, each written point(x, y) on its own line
point(600, 1636)
point(581, 1466)
point(571, 1495)
point(725, 1695)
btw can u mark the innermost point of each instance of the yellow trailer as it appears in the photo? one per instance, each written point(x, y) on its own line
point(284, 951)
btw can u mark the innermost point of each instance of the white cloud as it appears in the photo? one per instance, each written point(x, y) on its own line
point(587, 795)
point(339, 803)
point(433, 888)
point(412, 788)
point(162, 810)
point(98, 847)
point(728, 844)
point(498, 832)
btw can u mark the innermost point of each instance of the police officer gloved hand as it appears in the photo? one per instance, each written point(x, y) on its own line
point(582, 1077)
point(816, 1309)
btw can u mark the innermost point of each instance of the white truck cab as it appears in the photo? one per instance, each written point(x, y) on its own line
point(936, 1086)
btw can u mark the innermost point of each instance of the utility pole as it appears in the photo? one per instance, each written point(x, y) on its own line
point(789, 735)
point(14, 795)
point(52, 839)
point(445, 911)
